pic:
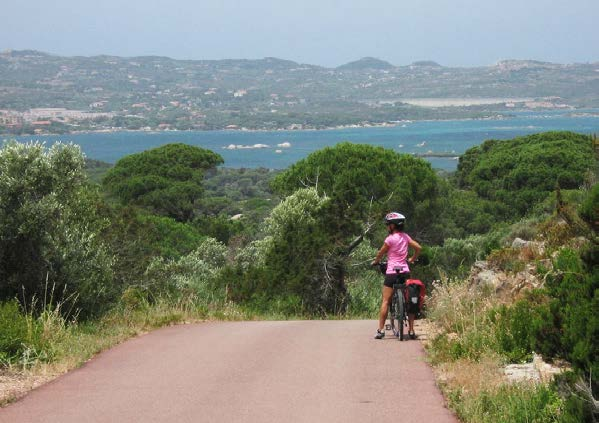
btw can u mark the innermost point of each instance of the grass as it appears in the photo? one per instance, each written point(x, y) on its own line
point(468, 357)
point(520, 403)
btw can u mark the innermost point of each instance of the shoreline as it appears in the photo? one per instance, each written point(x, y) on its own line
point(498, 116)
point(393, 124)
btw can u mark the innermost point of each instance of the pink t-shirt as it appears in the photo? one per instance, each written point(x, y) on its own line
point(398, 252)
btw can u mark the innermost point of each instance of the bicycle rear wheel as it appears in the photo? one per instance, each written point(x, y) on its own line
point(394, 315)
point(401, 315)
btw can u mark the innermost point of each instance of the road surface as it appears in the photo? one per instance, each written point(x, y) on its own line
point(295, 371)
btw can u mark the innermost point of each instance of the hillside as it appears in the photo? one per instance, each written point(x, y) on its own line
point(168, 237)
point(104, 92)
point(365, 64)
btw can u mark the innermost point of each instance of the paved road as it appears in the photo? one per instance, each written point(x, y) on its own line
point(299, 371)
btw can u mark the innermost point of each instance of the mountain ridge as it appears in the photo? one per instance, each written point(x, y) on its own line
point(376, 63)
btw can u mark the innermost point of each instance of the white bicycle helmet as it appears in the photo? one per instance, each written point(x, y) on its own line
point(395, 217)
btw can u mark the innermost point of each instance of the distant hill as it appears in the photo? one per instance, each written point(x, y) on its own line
point(153, 92)
point(366, 63)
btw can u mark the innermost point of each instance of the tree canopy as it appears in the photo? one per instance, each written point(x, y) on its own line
point(167, 180)
point(364, 181)
point(330, 198)
point(521, 172)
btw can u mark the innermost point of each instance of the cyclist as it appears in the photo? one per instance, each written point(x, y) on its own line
point(396, 248)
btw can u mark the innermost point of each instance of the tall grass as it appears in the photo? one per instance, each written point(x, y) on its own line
point(476, 336)
point(509, 404)
point(461, 316)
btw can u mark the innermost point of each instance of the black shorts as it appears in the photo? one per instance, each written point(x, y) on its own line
point(391, 280)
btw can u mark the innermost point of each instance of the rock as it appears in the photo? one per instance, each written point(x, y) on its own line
point(480, 265)
point(505, 285)
point(547, 371)
point(516, 373)
point(487, 278)
point(538, 371)
point(520, 243)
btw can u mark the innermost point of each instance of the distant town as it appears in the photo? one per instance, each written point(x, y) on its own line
point(41, 93)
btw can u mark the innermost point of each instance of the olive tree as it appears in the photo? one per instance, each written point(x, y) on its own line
point(48, 229)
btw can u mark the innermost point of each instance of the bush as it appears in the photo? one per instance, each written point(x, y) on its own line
point(220, 227)
point(298, 257)
point(518, 326)
point(511, 404)
point(196, 274)
point(589, 209)
point(456, 256)
point(48, 229)
point(574, 288)
point(14, 330)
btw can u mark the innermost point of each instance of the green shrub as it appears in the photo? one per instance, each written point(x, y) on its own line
point(574, 288)
point(579, 404)
point(48, 229)
point(220, 227)
point(589, 209)
point(526, 229)
point(518, 325)
point(456, 256)
point(197, 274)
point(364, 294)
point(135, 298)
point(14, 329)
point(510, 404)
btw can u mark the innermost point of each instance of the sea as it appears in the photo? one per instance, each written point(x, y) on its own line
point(280, 149)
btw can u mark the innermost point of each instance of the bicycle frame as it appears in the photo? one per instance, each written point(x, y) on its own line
point(397, 313)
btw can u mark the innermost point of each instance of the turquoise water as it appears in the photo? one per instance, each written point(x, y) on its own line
point(414, 137)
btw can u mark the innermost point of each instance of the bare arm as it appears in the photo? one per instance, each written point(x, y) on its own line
point(416, 248)
point(380, 254)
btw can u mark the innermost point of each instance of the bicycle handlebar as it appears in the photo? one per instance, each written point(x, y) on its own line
point(383, 265)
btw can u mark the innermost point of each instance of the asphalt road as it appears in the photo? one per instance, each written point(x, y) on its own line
point(297, 371)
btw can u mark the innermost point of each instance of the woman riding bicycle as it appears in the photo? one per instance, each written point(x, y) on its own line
point(396, 248)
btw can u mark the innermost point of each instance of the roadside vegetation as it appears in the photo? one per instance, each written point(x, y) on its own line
point(166, 236)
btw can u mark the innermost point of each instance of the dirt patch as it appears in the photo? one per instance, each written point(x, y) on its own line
point(471, 377)
point(13, 385)
point(425, 331)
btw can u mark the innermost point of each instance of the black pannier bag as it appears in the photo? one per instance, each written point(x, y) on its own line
point(413, 298)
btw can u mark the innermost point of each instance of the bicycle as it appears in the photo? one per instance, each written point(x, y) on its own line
point(397, 313)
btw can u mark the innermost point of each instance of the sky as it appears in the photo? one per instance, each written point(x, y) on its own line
point(320, 32)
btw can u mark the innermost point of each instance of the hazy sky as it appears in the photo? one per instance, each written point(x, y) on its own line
point(324, 32)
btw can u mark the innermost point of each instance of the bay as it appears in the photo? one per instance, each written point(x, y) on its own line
point(280, 149)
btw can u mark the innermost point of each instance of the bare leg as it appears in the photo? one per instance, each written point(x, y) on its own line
point(411, 318)
point(387, 294)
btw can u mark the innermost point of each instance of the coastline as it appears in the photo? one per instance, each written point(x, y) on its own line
point(438, 141)
point(393, 124)
point(497, 116)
